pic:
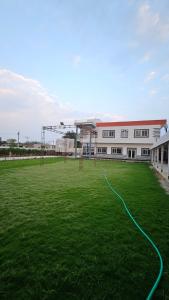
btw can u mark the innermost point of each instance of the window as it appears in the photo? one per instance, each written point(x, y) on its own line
point(145, 152)
point(108, 133)
point(86, 149)
point(141, 133)
point(102, 150)
point(116, 151)
point(124, 133)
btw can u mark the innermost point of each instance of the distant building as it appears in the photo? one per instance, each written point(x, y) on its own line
point(32, 145)
point(65, 145)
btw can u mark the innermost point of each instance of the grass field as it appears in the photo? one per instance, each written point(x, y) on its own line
point(65, 236)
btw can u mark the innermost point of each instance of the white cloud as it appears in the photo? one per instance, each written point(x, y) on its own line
point(130, 2)
point(153, 92)
point(165, 98)
point(25, 105)
point(150, 76)
point(151, 24)
point(5, 92)
point(146, 57)
point(107, 116)
point(133, 44)
point(76, 60)
point(165, 77)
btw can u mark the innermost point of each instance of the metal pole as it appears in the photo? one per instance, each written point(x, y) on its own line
point(43, 139)
point(18, 137)
point(76, 142)
point(90, 143)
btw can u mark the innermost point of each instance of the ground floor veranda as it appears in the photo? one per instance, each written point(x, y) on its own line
point(160, 158)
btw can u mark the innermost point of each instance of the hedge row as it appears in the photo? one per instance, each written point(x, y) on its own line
point(25, 152)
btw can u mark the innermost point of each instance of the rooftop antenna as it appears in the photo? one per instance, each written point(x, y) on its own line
point(166, 127)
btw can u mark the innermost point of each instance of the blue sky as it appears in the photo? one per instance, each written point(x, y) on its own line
point(72, 59)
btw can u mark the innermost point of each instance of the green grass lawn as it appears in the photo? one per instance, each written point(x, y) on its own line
point(65, 236)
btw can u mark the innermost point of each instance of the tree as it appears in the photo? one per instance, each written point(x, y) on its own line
point(72, 135)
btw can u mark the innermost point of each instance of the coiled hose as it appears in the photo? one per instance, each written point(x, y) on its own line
point(155, 285)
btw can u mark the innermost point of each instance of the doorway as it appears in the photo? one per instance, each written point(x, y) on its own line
point(131, 153)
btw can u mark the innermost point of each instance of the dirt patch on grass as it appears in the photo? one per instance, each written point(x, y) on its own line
point(163, 182)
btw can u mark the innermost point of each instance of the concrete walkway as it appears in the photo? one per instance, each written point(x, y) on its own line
point(24, 157)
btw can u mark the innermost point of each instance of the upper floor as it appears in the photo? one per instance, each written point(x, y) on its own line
point(139, 132)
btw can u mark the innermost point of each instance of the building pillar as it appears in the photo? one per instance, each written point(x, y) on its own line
point(157, 157)
point(108, 150)
point(162, 157)
point(152, 156)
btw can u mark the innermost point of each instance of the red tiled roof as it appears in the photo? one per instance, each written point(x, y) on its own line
point(132, 123)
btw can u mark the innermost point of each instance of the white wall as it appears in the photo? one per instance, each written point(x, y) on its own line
point(131, 138)
point(65, 145)
point(124, 143)
point(124, 147)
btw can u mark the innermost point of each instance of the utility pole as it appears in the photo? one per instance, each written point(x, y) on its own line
point(76, 142)
point(43, 138)
point(90, 144)
point(18, 134)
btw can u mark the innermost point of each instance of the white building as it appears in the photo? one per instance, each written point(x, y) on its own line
point(123, 140)
point(65, 145)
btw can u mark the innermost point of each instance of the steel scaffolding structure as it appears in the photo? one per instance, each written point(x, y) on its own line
point(86, 128)
point(59, 129)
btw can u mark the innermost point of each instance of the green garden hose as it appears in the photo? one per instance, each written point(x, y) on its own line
point(154, 287)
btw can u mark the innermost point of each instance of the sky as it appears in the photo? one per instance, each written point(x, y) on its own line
point(78, 59)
